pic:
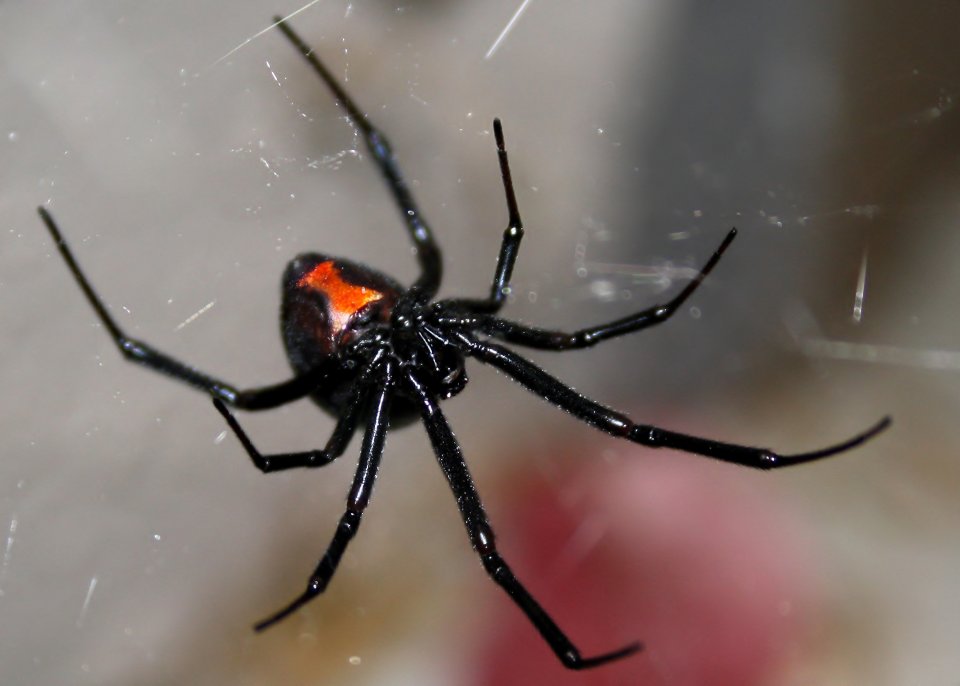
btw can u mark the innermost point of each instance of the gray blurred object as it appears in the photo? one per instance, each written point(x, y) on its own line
point(829, 133)
point(746, 109)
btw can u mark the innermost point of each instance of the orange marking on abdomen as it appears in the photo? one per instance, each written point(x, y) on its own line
point(346, 299)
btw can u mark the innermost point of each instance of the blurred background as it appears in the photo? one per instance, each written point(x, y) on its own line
point(188, 154)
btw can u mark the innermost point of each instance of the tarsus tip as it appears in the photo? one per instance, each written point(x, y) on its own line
point(850, 444)
point(590, 662)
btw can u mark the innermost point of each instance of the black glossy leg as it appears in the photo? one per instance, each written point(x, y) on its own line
point(357, 500)
point(427, 252)
point(141, 353)
point(336, 444)
point(559, 643)
point(454, 467)
point(546, 386)
point(559, 340)
point(509, 246)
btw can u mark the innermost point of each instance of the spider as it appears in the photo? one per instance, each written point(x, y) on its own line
point(370, 351)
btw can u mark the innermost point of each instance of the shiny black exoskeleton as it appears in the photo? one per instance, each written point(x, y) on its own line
point(338, 315)
point(370, 351)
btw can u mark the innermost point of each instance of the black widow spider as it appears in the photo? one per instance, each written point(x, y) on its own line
point(368, 350)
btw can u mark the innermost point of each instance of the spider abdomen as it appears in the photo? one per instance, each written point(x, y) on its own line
point(327, 304)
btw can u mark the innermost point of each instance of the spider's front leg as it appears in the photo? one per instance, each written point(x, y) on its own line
point(545, 339)
point(450, 457)
point(555, 391)
point(139, 352)
point(370, 454)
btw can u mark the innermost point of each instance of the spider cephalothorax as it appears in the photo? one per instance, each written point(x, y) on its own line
point(370, 351)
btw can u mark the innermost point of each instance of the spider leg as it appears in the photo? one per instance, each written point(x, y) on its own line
point(454, 467)
point(428, 254)
point(509, 246)
point(357, 500)
point(336, 444)
point(555, 391)
point(139, 352)
point(546, 339)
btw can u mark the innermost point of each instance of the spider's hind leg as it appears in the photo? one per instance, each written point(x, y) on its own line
point(137, 351)
point(509, 246)
point(427, 251)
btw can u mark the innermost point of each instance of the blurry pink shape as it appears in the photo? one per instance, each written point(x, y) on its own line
point(695, 559)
